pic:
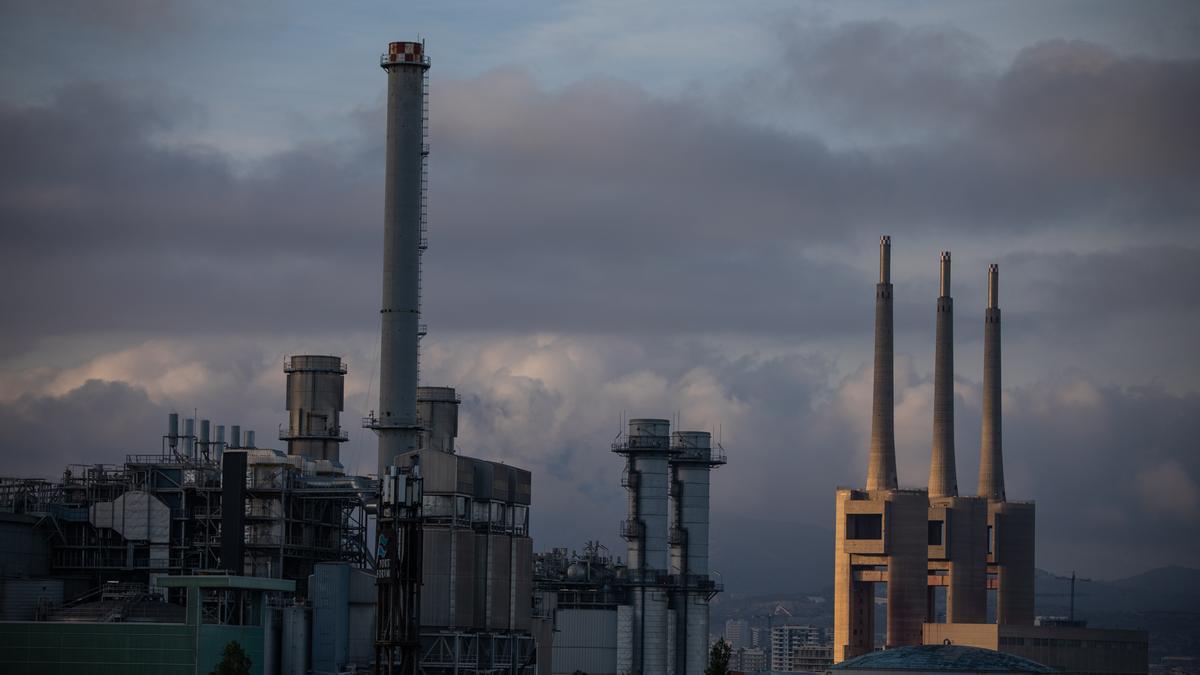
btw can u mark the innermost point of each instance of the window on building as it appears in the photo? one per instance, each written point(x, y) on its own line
point(935, 532)
point(864, 526)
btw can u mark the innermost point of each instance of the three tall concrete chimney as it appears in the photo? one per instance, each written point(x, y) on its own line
point(991, 457)
point(881, 471)
point(943, 477)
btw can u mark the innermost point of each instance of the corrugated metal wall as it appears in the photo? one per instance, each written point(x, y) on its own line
point(586, 640)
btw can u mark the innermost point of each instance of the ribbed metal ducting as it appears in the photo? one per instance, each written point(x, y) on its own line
point(585, 640)
point(294, 650)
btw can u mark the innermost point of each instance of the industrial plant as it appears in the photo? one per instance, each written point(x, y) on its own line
point(954, 568)
point(162, 562)
point(649, 614)
point(157, 564)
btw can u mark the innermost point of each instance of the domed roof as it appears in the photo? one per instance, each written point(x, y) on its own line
point(946, 658)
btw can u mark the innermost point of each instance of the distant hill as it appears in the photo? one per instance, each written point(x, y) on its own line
point(1165, 589)
point(1173, 579)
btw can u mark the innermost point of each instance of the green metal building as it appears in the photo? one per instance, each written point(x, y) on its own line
point(219, 610)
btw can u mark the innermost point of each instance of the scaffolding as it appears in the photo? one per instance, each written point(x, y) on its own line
point(161, 514)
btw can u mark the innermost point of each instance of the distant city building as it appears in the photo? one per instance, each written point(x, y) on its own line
point(737, 633)
point(787, 643)
point(812, 658)
point(748, 660)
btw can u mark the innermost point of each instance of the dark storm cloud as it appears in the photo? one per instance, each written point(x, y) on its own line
point(575, 206)
point(882, 76)
point(1113, 469)
point(42, 434)
point(142, 18)
point(628, 222)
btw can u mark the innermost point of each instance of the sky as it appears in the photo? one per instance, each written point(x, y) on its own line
point(637, 209)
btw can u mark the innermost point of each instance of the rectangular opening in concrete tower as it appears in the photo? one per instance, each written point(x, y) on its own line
point(864, 526)
point(936, 531)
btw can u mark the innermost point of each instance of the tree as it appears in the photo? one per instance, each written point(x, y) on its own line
point(718, 658)
point(234, 661)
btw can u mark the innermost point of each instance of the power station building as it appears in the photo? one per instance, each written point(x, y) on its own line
point(933, 547)
point(456, 570)
point(650, 614)
point(446, 588)
point(957, 569)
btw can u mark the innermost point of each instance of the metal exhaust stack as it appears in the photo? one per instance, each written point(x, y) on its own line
point(991, 457)
point(647, 449)
point(403, 214)
point(690, 470)
point(943, 476)
point(881, 472)
point(400, 572)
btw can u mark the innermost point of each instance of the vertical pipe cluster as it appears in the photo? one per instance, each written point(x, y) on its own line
point(991, 458)
point(881, 472)
point(943, 476)
point(396, 423)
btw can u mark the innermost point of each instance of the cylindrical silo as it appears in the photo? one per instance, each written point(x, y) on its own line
point(437, 411)
point(404, 220)
point(315, 400)
point(235, 436)
point(219, 446)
